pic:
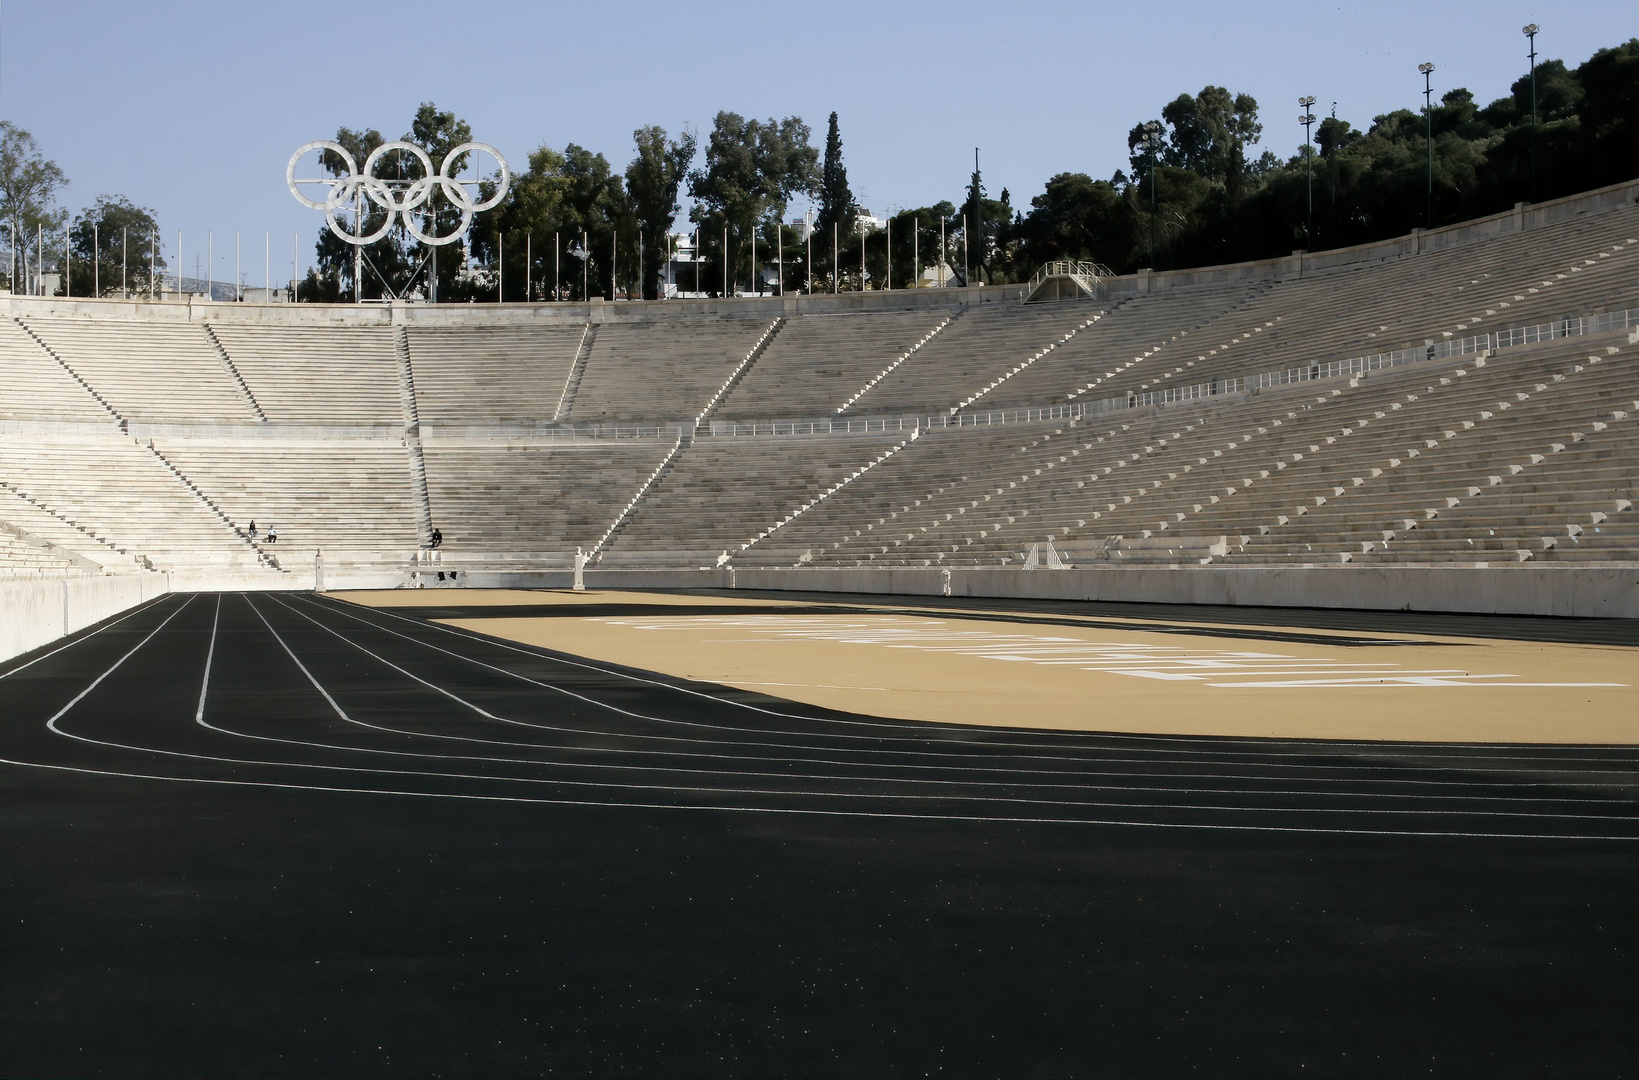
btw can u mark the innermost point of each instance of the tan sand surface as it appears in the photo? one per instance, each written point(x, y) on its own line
point(922, 664)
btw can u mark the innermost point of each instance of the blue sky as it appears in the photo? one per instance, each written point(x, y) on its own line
point(193, 108)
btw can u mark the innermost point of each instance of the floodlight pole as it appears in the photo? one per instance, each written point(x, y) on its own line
point(916, 253)
point(529, 253)
point(555, 295)
point(585, 266)
point(1152, 143)
point(756, 275)
point(779, 262)
point(66, 268)
point(125, 258)
point(967, 269)
point(864, 277)
point(836, 262)
point(942, 251)
point(1428, 111)
point(96, 263)
point(888, 281)
point(1530, 32)
point(808, 230)
point(1307, 119)
point(726, 293)
point(500, 266)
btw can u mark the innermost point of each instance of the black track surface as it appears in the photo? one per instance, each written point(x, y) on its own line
point(276, 835)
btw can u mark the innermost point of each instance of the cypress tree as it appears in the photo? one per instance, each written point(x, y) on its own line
point(836, 201)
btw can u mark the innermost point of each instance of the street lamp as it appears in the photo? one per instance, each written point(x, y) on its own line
point(1307, 119)
point(1428, 111)
point(1152, 143)
point(1530, 32)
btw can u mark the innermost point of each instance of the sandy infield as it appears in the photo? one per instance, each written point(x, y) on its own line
point(898, 660)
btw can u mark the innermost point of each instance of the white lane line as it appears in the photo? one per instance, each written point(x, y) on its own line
point(945, 783)
point(1128, 788)
point(333, 703)
point(675, 790)
point(896, 796)
point(139, 609)
point(52, 723)
point(802, 812)
point(1207, 757)
point(210, 654)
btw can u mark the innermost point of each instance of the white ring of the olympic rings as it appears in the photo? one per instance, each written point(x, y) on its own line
point(397, 201)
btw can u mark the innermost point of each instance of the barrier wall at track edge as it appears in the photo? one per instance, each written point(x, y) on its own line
point(36, 612)
point(1587, 592)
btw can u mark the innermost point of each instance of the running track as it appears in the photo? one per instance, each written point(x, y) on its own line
point(380, 719)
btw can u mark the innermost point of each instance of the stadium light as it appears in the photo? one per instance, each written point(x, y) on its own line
point(1152, 143)
point(1307, 120)
point(1530, 31)
point(1428, 111)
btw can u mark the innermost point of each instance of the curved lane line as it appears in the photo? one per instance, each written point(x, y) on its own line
point(922, 741)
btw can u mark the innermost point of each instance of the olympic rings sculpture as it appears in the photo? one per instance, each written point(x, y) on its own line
point(399, 197)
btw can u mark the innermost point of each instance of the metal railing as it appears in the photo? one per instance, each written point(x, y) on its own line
point(1089, 275)
point(1218, 388)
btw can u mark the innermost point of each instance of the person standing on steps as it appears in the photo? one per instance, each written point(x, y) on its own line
point(253, 530)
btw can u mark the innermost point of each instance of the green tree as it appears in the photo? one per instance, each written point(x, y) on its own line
point(652, 182)
point(110, 243)
point(1610, 114)
point(836, 201)
point(28, 188)
point(752, 171)
point(533, 216)
point(1077, 217)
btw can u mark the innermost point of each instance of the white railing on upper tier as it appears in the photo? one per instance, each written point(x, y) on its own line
point(458, 433)
point(1359, 365)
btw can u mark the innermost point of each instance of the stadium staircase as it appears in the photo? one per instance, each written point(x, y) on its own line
point(900, 359)
point(666, 465)
point(703, 418)
point(412, 436)
point(264, 557)
point(233, 373)
point(1019, 367)
point(571, 384)
point(71, 372)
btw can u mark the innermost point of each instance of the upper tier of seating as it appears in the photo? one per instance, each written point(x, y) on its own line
point(501, 374)
point(317, 374)
point(148, 371)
